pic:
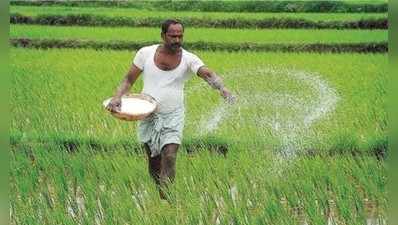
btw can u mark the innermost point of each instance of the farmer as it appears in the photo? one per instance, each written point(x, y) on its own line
point(165, 68)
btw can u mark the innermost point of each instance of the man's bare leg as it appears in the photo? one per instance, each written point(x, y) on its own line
point(168, 166)
point(153, 165)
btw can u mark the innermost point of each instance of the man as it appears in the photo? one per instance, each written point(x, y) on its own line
point(165, 68)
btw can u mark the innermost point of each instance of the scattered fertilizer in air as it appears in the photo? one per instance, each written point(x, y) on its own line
point(293, 113)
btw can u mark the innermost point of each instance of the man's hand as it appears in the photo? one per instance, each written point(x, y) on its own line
point(226, 94)
point(114, 105)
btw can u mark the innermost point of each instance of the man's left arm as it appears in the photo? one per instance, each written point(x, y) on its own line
point(216, 82)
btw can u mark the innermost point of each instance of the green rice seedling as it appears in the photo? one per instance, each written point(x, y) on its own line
point(208, 188)
point(290, 36)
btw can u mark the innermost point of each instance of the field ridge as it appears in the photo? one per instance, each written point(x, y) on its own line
point(369, 47)
point(191, 145)
point(97, 20)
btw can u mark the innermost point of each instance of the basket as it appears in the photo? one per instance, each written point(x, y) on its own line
point(133, 116)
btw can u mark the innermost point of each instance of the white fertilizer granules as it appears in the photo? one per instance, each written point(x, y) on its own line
point(136, 106)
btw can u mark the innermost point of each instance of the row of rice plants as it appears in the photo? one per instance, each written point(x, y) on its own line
point(229, 6)
point(51, 186)
point(142, 13)
point(275, 23)
point(313, 102)
point(290, 36)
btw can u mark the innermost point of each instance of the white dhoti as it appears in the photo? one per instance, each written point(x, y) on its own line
point(160, 129)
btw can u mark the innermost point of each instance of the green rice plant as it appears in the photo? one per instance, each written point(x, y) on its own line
point(142, 13)
point(291, 36)
point(288, 84)
point(245, 187)
point(274, 23)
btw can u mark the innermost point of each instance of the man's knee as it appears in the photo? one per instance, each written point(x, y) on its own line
point(170, 151)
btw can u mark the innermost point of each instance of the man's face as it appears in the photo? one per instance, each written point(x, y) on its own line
point(173, 37)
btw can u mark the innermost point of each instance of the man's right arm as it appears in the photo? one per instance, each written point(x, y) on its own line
point(131, 76)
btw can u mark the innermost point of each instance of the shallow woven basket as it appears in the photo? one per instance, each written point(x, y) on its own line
point(131, 117)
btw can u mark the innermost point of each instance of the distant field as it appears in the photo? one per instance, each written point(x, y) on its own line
point(200, 34)
point(142, 13)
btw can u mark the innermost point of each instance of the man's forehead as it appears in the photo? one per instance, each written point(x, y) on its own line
point(175, 28)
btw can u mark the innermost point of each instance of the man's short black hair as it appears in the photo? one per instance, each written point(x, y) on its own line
point(166, 24)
